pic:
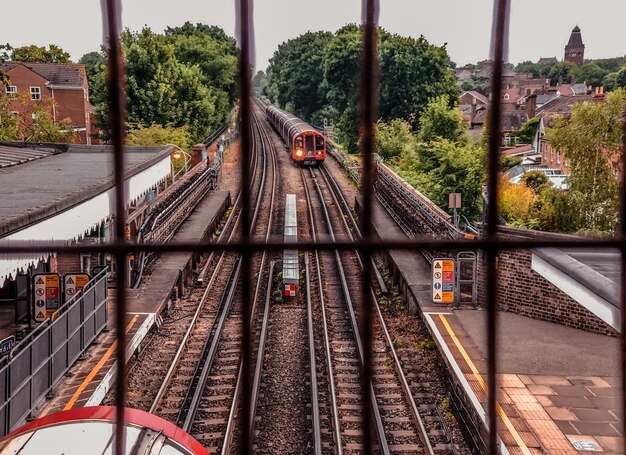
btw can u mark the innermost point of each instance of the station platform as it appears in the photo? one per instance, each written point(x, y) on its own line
point(91, 379)
point(559, 387)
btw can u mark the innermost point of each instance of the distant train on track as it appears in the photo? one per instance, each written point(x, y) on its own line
point(306, 144)
point(88, 431)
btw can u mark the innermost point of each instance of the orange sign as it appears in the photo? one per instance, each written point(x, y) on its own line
point(47, 295)
point(443, 279)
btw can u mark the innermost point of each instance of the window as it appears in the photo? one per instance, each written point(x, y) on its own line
point(558, 157)
point(35, 93)
point(11, 91)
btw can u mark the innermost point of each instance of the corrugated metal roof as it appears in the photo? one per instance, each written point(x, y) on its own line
point(12, 156)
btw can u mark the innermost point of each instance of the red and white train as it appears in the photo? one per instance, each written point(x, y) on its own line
point(89, 431)
point(306, 144)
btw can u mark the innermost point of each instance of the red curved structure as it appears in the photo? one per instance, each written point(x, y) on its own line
point(68, 431)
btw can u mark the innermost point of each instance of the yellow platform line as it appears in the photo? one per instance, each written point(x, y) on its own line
point(499, 410)
point(92, 374)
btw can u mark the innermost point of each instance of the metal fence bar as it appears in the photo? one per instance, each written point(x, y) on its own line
point(498, 45)
point(47, 357)
point(117, 108)
point(244, 22)
point(368, 117)
point(622, 231)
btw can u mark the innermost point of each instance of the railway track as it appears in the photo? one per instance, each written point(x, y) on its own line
point(430, 422)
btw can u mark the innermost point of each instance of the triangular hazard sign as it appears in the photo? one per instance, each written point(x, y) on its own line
point(40, 315)
point(437, 296)
point(69, 280)
point(39, 281)
point(437, 265)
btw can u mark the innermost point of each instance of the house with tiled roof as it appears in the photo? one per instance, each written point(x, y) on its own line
point(64, 84)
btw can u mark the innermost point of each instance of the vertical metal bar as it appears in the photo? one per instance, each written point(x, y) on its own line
point(622, 233)
point(498, 45)
point(245, 30)
point(368, 115)
point(117, 106)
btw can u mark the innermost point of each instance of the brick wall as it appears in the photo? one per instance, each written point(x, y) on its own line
point(523, 291)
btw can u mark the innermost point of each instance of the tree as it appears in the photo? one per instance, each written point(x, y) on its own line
point(160, 135)
point(591, 140)
point(259, 83)
point(394, 138)
point(591, 74)
point(535, 180)
point(515, 203)
point(440, 120)
point(563, 73)
point(39, 54)
point(95, 67)
point(34, 123)
point(527, 132)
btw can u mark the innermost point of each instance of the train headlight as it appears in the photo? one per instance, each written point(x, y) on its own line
point(298, 152)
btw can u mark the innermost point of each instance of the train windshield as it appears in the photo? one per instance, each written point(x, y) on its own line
point(309, 142)
point(319, 142)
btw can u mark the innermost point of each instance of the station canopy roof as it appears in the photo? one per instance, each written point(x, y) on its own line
point(60, 192)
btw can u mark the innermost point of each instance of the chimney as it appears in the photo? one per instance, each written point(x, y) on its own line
point(598, 97)
point(531, 105)
point(473, 114)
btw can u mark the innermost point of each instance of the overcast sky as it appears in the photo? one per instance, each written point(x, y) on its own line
point(539, 28)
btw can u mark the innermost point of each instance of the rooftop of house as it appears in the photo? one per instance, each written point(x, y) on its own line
point(67, 74)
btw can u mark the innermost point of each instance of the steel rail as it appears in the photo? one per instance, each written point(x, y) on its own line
point(327, 349)
point(419, 422)
point(187, 415)
point(263, 141)
point(175, 362)
point(315, 406)
point(379, 427)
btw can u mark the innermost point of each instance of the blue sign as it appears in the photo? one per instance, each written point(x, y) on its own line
point(448, 287)
point(7, 344)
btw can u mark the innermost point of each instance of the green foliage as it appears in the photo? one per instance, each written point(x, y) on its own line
point(591, 74)
point(615, 80)
point(295, 74)
point(160, 135)
point(563, 73)
point(535, 180)
point(184, 77)
point(32, 53)
point(317, 76)
point(394, 138)
point(591, 140)
point(34, 123)
point(440, 120)
point(259, 83)
point(508, 162)
point(527, 132)
point(442, 167)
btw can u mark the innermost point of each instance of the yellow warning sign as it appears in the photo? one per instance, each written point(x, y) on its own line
point(437, 296)
point(437, 265)
point(39, 281)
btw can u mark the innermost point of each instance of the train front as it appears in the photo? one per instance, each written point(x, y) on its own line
point(309, 147)
point(89, 431)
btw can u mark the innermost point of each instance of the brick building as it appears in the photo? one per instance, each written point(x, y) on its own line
point(575, 48)
point(64, 84)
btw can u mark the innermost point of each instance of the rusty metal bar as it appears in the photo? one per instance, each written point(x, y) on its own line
point(368, 116)
point(622, 232)
point(19, 247)
point(244, 21)
point(499, 40)
point(117, 108)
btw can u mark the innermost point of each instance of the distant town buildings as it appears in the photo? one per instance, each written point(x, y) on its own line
point(65, 84)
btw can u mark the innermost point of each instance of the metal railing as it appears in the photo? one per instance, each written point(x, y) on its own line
point(490, 242)
point(36, 364)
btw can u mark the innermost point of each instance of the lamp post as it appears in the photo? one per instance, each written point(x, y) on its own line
point(176, 155)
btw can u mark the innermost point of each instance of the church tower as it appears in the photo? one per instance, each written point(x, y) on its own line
point(575, 49)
